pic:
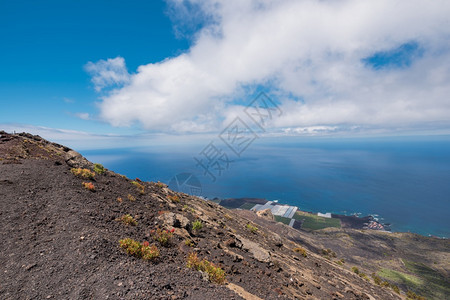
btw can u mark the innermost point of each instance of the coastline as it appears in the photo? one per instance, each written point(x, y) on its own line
point(296, 218)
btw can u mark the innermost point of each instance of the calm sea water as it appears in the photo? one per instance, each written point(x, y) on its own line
point(403, 181)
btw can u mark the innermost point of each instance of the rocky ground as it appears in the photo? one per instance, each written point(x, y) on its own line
point(61, 240)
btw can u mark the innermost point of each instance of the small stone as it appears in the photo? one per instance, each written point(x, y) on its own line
point(337, 294)
point(29, 267)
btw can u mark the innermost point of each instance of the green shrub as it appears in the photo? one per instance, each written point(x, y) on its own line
point(174, 198)
point(187, 208)
point(376, 279)
point(128, 220)
point(197, 225)
point(99, 169)
point(385, 284)
point(328, 253)
point(253, 229)
point(135, 248)
point(140, 187)
point(89, 186)
point(395, 288)
point(301, 251)
point(364, 276)
point(215, 274)
point(414, 296)
point(83, 173)
point(355, 270)
point(162, 236)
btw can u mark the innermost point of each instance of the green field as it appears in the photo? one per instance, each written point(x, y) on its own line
point(282, 220)
point(401, 278)
point(425, 281)
point(247, 205)
point(315, 222)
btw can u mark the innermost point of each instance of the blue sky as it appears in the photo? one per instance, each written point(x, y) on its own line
point(45, 45)
point(401, 57)
point(90, 69)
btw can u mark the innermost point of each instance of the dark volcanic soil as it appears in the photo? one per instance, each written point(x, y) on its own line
point(60, 240)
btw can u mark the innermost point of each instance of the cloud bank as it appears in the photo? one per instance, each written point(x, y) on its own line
point(330, 64)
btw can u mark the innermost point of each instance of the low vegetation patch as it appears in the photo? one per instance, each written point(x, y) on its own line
point(83, 173)
point(328, 253)
point(228, 217)
point(252, 228)
point(99, 169)
point(426, 281)
point(174, 198)
point(395, 288)
point(434, 283)
point(131, 197)
point(197, 225)
point(189, 209)
point(189, 243)
point(376, 279)
point(128, 220)
point(364, 276)
point(89, 186)
point(361, 274)
point(162, 236)
point(215, 274)
point(301, 251)
point(140, 187)
point(393, 275)
point(413, 296)
point(140, 250)
point(400, 277)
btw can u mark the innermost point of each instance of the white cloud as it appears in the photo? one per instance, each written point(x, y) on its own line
point(311, 130)
point(68, 100)
point(308, 50)
point(112, 71)
point(83, 116)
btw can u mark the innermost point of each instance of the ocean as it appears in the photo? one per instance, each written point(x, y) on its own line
point(402, 181)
